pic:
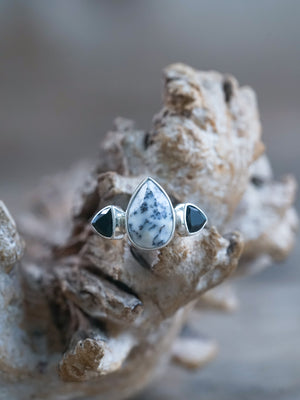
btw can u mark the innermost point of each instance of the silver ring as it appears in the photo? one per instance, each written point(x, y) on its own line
point(150, 219)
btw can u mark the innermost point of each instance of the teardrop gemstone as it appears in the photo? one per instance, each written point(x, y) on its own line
point(103, 222)
point(150, 216)
point(195, 219)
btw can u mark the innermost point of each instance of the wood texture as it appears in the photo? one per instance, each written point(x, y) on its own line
point(107, 315)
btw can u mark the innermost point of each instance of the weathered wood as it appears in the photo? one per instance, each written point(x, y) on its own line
point(110, 315)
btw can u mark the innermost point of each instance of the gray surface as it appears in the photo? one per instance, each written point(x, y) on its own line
point(68, 68)
point(259, 345)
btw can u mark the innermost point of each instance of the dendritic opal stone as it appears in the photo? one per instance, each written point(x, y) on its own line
point(150, 216)
point(103, 222)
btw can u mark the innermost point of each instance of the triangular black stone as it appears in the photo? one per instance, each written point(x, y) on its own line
point(102, 222)
point(195, 219)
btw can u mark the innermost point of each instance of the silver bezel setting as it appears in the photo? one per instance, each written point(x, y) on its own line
point(118, 222)
point(128, 207)
point(181, 224)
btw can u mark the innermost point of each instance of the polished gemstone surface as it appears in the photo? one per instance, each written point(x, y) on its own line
point(150, 218)
point(103, 223)
point(195, 218)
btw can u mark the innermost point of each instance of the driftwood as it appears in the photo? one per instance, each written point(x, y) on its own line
point(84, 316)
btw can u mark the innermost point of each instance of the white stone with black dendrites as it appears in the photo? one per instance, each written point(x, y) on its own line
point(150, 217)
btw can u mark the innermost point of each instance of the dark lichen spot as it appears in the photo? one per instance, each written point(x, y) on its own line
point(228, 90)
point(187, 113)
point(257, 181)
point(149, 139)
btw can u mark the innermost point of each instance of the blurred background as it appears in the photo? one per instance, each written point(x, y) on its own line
point(67, 69)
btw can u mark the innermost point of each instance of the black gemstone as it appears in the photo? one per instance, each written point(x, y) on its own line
point(102, 222)
point(195, 219)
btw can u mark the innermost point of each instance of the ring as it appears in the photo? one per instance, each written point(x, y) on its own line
point(150, 219)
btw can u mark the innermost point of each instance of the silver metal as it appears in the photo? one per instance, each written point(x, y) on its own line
point(120, 219)
point(128, 207)
point(181, 224)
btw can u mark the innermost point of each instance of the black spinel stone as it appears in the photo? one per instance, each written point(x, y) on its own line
point(102, 222)
point(195, 219)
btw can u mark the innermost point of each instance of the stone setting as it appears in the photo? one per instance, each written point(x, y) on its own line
point(103, 222)
point(195, 218)
point(150, 218)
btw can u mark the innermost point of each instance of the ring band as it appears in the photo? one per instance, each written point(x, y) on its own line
point(150, 219)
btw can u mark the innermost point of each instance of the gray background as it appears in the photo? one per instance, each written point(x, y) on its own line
point(67, 69)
